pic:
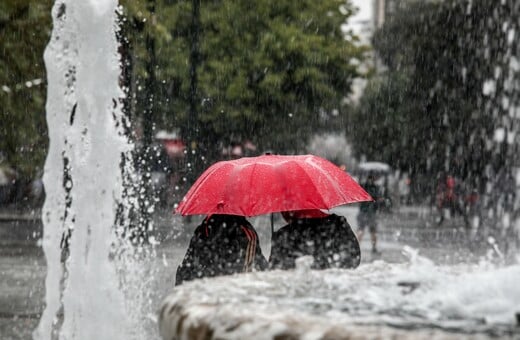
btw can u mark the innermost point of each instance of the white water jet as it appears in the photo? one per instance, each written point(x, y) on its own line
point(82, 177)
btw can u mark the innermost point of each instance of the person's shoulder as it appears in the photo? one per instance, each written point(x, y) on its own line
point(334, 217)
point(202, 232)
point(200, 228)
point(246, 225)
point(244, 222)
point(286, 229)
point(338, 220)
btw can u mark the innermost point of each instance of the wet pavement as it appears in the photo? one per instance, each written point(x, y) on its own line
point(22, 262)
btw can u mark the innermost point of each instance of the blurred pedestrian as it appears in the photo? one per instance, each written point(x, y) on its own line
point(5, 185)
point(367, 216)
point(221, 245)
point(450, 197)
point(328, 238)
point(404, 189)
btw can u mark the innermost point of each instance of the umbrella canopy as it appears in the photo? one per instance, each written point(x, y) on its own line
point(251, 186)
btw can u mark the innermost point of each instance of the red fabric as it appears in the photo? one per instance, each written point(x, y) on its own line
point(450, 189)
point(174, 147)
point(251, 186)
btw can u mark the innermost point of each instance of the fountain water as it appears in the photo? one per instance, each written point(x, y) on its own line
point(83, 181)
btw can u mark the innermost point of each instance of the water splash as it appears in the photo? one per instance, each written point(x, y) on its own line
point(82, 180)
point(469, 299)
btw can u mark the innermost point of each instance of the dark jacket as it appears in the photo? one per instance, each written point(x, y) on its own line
point(370, 207)
point(330, 240)
point(221, 245)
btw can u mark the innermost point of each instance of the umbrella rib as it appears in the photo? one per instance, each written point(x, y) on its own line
point(330, 179)
point(207, 175)
point(252, 177)
point(281, 175)
point(228, 184)
point(200, 182)
point(313, 183)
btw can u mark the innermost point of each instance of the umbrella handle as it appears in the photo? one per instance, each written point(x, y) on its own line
point(272, 226)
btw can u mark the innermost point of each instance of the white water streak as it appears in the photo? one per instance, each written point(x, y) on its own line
point(83, 70)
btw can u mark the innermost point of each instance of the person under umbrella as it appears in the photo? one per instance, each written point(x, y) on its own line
point(221, 245)
point(367, 216)
point(328, 238)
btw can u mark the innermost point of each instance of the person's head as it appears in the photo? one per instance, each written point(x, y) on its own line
point(306, 213)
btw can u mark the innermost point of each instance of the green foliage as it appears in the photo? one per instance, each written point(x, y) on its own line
point(271, 71)
point(25, 28)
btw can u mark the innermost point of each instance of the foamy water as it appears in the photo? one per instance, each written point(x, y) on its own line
point(480, 298)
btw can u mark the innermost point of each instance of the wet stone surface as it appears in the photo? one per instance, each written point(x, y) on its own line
point(22, 288)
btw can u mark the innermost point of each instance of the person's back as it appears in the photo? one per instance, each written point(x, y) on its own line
point(330, 241)
point(373, 190)
point(221, 245)
point(367, 217)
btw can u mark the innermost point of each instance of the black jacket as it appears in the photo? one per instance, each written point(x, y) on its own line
point(330, 240)
point(370, 207)
point(221, 245)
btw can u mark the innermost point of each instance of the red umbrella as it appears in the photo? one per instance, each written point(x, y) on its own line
point(251, 186)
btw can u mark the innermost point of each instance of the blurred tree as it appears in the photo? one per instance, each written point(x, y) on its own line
point(380, 128)
point(269, 71)
point(431, 101)
point(25, 28)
